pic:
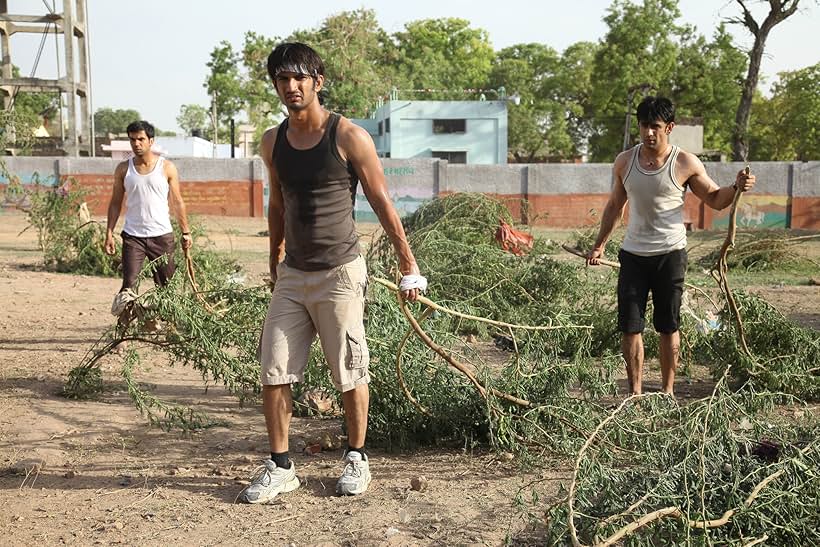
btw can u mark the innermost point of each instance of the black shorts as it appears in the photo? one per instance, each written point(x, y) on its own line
point(661, 274)
point(136, 249)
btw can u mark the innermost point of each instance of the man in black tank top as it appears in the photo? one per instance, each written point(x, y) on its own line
point(315, 160)
point(654, 176)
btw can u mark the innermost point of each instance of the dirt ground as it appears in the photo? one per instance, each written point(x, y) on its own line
point(94, 472)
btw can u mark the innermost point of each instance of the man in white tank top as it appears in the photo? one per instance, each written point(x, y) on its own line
point(653, 177)
point(147, 181)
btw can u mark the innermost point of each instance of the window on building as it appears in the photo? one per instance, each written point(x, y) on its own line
point(387, 125)
point(450, 156)
point(381, 128)
point(449, 126)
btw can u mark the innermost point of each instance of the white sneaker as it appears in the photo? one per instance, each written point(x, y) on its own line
point(356, 476)
point(268, 481)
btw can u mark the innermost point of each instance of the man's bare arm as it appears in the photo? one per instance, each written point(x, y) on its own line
point(115, 206)
point(702, 185)
point(358, 148)
point(177, 203)
point(614, 209)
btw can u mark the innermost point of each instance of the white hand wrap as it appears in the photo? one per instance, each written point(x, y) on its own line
point(412, 281)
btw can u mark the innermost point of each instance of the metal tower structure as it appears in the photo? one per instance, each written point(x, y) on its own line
point(73, 85)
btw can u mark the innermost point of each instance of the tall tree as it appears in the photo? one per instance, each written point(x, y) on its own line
point(640, 46)
point(108, 120)
point(354, 48)
point(193, 117)
point(779, 11)
point(573, 88)
point(520, 69)
point(445, 55)
point(224, 83)
point(707, 85)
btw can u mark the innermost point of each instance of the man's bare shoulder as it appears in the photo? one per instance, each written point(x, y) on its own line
point(267, 142)
point(353, 138)
point(688, 164)
point(622, 161)
point(121, 167)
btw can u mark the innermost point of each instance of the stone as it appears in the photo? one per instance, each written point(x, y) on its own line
point(419, 484)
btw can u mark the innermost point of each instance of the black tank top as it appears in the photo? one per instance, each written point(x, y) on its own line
point(319, 191)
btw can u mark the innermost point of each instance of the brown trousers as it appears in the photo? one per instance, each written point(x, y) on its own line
point(136, 249)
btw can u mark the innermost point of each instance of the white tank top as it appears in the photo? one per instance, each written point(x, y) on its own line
point(655, 208)
point(147, 213)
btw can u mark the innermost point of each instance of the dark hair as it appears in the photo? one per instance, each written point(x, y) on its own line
point(295, 57)
point(141, 125)
point(656, 108)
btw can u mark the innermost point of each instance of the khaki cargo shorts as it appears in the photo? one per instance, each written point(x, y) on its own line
point(329, 303)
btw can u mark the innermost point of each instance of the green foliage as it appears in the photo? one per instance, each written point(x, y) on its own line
point(261, 101)
point(224, 82)
point(108, 120)
point(786, 127)
point(354, 49)
point(786, 356)
point(704, 458)
point(193, 117)
point(16, 132)
point(706, 86)
point(443, 54)
point(538, 125)
point(645, 43)
point(69, 243)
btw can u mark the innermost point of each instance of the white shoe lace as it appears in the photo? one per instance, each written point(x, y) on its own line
point(353, 469)
point(258, 476)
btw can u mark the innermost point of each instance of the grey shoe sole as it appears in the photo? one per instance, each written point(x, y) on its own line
point(355, 492)
point(289, 486)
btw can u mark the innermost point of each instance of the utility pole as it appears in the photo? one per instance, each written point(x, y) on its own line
point(213, 119)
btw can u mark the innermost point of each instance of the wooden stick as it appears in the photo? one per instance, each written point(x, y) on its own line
point(582, 254)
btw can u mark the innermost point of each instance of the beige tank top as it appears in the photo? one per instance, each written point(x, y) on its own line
point(655, 208)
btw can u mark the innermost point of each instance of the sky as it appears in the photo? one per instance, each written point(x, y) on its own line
point(151, 55)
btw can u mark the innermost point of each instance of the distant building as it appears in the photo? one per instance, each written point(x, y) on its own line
point(177, 147)
point(473, 132)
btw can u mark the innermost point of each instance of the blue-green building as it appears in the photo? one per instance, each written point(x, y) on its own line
point(473, 132)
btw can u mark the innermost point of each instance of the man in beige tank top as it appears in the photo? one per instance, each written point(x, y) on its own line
point(653, 177)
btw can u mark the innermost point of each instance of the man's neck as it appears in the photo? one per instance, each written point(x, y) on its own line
point(309, 119)
point(655, 154)
point(146, 159)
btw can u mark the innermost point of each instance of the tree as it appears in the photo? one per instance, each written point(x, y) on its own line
point(34, 107)
point(261, 101)
point(107, 120)
point(779, 11)
point(520, 68)
point(444, 55)
point(355, 50)
point(224, 83)
point(641, 46)
point(573, 88)
point(707, 85)
point(787, 126)
point(193, 117)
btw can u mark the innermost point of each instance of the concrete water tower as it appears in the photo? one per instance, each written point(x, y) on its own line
point(68, 27)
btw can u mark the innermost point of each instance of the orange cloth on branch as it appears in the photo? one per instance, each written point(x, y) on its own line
point(512, 240)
